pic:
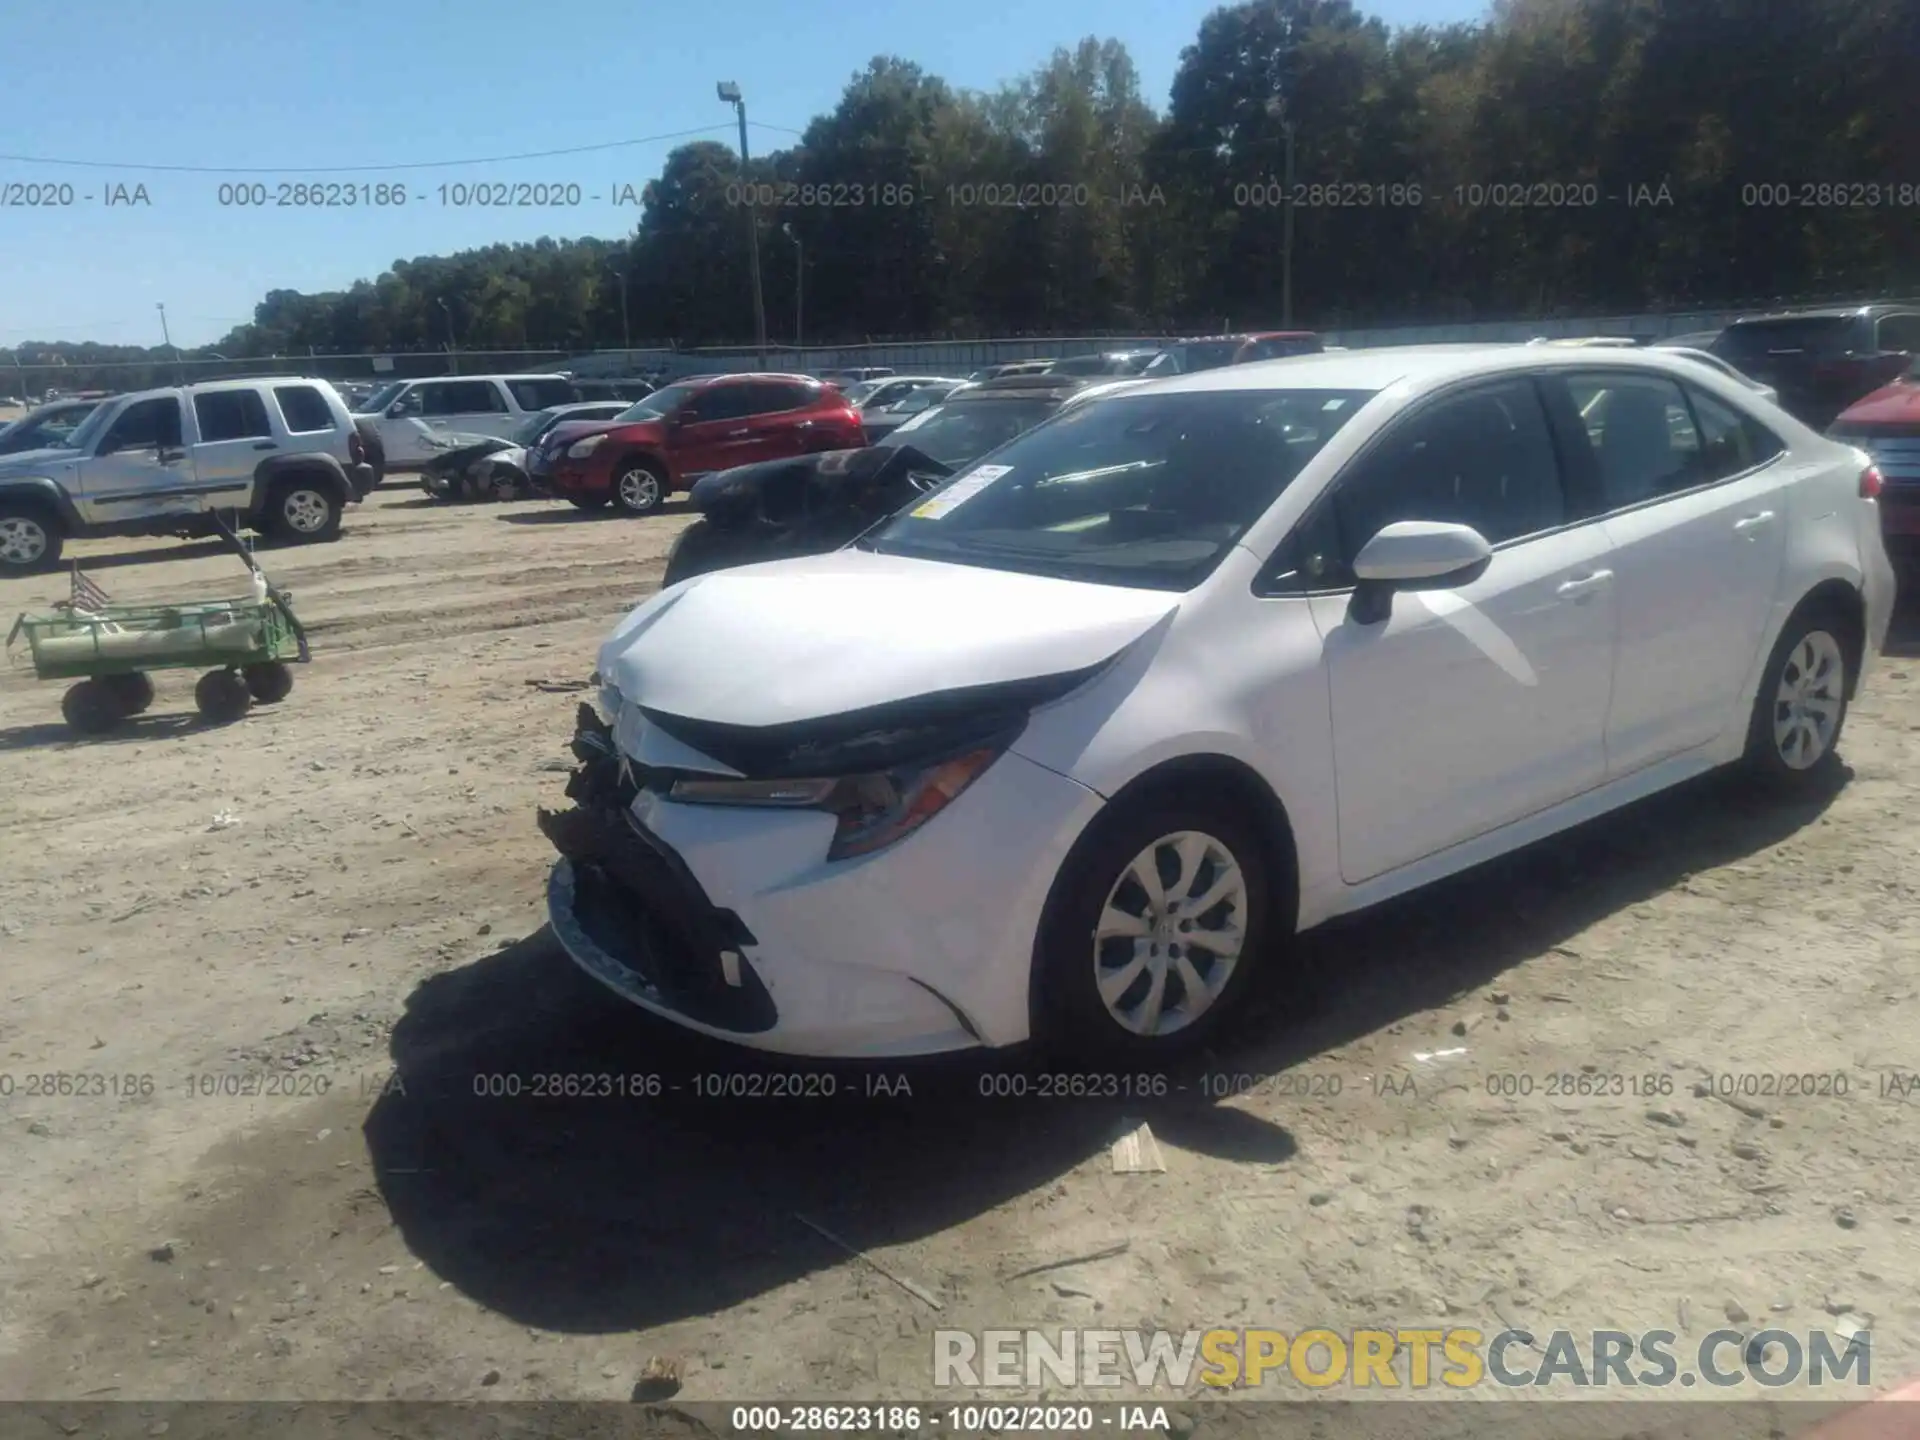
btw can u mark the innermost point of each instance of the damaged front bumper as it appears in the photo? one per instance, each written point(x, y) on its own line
point(629, 912)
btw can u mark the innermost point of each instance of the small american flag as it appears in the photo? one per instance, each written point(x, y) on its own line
point(86, 594)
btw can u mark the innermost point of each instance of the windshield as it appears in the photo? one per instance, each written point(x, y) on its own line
point(659, 405)
point(88, 430)
point(857, 391)
point(534, 426)
point(375, 403)
point(960, 434)
point(1140, 490)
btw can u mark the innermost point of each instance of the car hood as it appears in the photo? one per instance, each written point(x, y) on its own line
point(1895, 404)
point(37, 459)
point(824, 635)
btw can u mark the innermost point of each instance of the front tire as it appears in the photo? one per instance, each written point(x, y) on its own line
point(222, 697)
point(93, 707)
point(1794, 735)
point(1153, 930)
point(304, 512)
point(639, 487)
point(30, 539)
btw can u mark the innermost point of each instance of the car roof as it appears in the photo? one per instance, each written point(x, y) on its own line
point(1042, 384)
point(704, 380)
point(1837, 312)
point(1425, 366)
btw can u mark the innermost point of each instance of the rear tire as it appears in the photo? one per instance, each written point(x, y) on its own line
point(1124, 978)
point(1793, 737)
point(133, 690)
point(639, 487)
point(92, 707)
point(222, 697)
point(304, 511)
point(268, 681)
point(30, 538)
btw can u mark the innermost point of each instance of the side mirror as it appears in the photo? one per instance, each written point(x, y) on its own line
point(1414, 555)
point(397, 410)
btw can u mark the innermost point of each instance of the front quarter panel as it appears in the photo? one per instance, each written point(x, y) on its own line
point(1226, 675)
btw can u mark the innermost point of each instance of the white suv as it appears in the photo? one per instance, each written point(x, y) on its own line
point(281, 454)
point(458, 404)
point(1078, 741)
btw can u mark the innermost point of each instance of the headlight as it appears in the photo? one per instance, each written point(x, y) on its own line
point(585, 447)
point(873, 810)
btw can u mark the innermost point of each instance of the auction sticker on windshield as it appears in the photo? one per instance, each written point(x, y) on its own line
point(959, 492)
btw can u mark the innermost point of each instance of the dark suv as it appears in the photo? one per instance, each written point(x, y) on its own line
point(1821, 361)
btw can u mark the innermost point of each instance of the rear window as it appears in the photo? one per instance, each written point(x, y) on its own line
point(541, 394)
point(1810, 335)
point(304, 407)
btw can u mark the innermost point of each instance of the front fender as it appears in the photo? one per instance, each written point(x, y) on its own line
point(45, 490)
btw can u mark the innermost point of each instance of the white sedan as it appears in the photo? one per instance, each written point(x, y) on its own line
point(1072, 747)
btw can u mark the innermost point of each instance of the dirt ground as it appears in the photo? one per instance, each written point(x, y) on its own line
point(274, 962)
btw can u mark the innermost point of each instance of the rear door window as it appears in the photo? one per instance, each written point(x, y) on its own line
point(304, 408)
point(541, 394)
point(231, 415)
point(1800, 335)
point(1900, 332)
point(1645, 442)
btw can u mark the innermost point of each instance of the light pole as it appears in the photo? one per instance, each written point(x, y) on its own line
point(799, 279)
point(179, 370)
point(453, 344)
point(1277, 107)
point(729, 93)
point(626, 330)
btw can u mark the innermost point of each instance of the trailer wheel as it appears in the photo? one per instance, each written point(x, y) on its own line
point(222, 696)
point(133, 689)
point(268, 681)
point(92, 708)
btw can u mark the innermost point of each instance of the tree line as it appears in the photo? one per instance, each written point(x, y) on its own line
point(1557, 157)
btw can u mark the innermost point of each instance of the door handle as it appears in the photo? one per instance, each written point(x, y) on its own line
point(170, 457)
point(1582, 585)
point(266, 445)
point(1750, 523)
point(736, 434)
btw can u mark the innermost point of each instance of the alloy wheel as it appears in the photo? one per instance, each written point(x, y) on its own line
point(639, 489)
point(1170, 934)
point(1808, 700)
point(305, 510)
point(22, 540)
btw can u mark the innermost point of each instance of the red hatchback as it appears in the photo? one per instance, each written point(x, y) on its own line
point(695, 427)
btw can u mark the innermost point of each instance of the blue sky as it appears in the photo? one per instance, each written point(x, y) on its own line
point(301, 86)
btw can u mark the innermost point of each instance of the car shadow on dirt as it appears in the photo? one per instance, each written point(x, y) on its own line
point(662, 1199)
point(1355, 975)
point(564, 514)
point(683, 1196)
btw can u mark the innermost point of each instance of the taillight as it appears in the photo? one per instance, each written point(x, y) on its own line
point(1871, 483)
